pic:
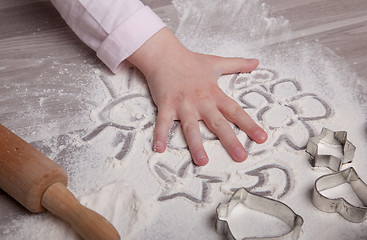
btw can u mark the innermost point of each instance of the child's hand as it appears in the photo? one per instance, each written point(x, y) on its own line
point(184, 87)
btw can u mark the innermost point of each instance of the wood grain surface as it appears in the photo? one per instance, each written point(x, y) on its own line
point(41, 58)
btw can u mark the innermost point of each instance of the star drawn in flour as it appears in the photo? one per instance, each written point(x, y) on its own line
point(185, 182)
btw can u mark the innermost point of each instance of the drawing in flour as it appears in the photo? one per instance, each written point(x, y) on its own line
point(185, 182)
point(282, 106)
point(132, 109)
point(125, 112)
point(271, 180)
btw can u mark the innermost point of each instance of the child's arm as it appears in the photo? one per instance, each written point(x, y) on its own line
point(113, 28)
point(184, 87)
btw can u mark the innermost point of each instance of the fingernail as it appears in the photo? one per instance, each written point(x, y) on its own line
point(261, 136)
point(158, 146)
point(201, 158)
point(253, 60)
point(200, 155)
point(240, 153)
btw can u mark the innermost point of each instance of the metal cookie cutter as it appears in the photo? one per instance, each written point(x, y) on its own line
point(333, 140)
point(340, 205)
point(262, 204)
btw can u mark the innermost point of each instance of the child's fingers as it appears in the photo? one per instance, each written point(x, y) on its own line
point(236, 65)
point(162, 126)
point(221, 128)
point(191, 130)
point(232, 111)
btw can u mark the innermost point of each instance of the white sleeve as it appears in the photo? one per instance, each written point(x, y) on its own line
point(115, 29)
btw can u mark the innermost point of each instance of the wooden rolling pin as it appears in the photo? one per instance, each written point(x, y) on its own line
point(37, 183)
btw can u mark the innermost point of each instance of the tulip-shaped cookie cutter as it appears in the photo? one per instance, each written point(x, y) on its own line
point(348, 211)
point(262, 204)
point(332, 139)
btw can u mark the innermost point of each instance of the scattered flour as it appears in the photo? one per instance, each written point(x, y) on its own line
point(343, 191)
point(249, 223)
point(146, 195)
point(122, 205)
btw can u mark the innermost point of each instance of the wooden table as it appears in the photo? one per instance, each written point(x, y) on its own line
point(41, 58)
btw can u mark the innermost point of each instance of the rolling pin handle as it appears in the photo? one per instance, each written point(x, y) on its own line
point(89, 224)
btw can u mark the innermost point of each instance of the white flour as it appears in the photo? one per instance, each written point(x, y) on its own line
point(298, 89)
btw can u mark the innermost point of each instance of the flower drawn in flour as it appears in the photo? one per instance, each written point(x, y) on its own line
point(282, 107)
point(185, 182)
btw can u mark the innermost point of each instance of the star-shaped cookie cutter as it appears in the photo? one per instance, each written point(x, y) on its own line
point(330, 138)
point(348, 211)
point(262, 204)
